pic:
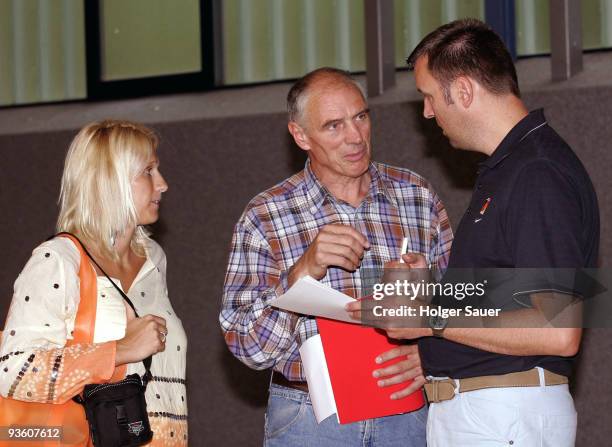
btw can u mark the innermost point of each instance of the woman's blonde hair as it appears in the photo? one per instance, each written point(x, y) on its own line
point(96, 200)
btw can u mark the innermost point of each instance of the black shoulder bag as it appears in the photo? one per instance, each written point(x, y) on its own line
point(117, 412)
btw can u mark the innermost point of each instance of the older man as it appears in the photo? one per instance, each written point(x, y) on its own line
point(533, 207)
point(341, 214)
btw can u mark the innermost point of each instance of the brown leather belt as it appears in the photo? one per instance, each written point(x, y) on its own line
point(441, 390)
point(279, 379)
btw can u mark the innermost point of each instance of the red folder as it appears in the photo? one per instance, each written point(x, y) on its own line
point(350, 351)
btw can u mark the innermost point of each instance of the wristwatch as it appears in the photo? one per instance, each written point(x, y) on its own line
point(437, 325)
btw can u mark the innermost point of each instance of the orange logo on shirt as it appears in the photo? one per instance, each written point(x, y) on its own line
point(485, 206)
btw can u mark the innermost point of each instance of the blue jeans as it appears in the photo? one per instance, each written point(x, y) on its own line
point(290, 421)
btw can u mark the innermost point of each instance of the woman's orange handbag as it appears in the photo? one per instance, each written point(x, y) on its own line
point(70, 416)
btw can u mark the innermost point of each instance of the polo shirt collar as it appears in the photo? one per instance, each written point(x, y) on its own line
point(316, 192)
point(534, 120)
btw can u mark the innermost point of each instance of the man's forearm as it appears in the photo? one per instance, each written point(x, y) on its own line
point(519, 341)
point(517, 332)
point(551, 327)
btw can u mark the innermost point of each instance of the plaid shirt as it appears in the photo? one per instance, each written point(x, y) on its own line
point(277, 227)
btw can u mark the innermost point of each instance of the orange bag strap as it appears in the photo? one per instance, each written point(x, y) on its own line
point(85, 321)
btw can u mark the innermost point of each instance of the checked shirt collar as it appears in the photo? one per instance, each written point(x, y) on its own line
point(316, 192)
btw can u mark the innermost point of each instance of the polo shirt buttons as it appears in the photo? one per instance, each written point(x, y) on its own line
point(511, 442)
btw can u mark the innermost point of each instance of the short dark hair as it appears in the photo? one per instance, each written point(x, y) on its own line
point(468, 47)
point(297, 96)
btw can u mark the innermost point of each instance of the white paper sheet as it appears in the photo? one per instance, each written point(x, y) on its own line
point(317, 376)
point(310, 297)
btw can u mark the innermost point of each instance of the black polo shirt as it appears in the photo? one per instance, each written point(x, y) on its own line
point(533, 206)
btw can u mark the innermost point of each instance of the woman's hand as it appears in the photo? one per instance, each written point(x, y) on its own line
point(143, 337)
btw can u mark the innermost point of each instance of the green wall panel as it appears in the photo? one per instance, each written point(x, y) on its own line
point(532, 27)
point(42, 51)
point(7, 85)
point(290, 62)
point(143, 38)
point(606, 23)
point(52, 54)
point(596, 24)
point(278, 39)
point(26, 56)
point(414, 19)
point(75, 75)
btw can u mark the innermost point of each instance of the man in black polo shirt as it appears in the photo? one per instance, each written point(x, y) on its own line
point(533, 207)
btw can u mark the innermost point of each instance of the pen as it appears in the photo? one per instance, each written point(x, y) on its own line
point(404, 248)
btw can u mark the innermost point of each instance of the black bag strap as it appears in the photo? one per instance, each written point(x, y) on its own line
point(146, 362)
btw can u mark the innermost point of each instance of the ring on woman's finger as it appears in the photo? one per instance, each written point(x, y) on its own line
point(163, 336)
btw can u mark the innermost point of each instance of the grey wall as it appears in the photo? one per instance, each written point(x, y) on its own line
point(214, 166)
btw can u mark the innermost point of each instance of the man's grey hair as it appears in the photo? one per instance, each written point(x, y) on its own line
point(299, 93)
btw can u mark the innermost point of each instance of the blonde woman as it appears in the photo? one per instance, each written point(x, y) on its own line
point(111, 188)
